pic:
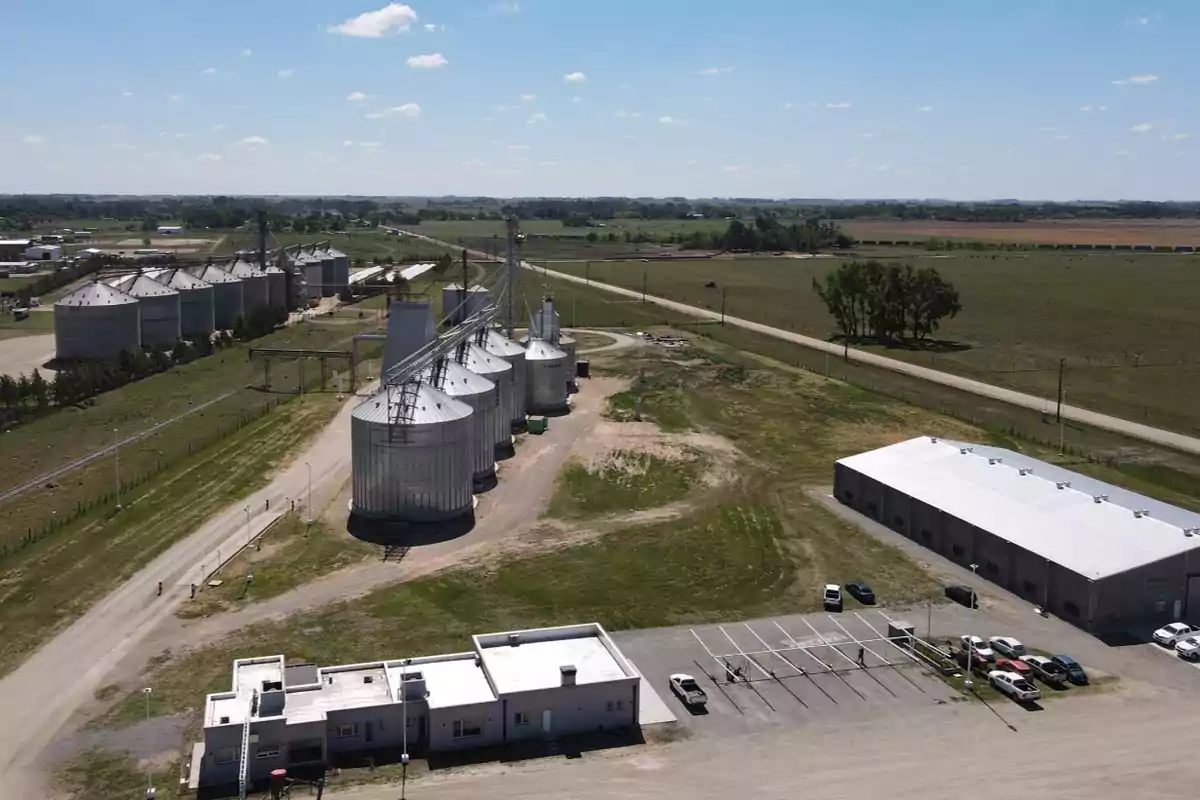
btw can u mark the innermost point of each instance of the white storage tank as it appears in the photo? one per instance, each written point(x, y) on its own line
point(483, 397)
point(96, 321)
point(341, 268)
point(500, 373)
point(498, 344)
point(256, 292)
point(568, 345)
point(227, 294)
point(277, 288)
point(412, 453)
point(196, 315)
point(546, 379)
point(452, 303)
point(327, 281)
point(476, 298)
point(158, 307)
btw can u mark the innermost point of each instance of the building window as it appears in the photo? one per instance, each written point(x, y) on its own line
point(1071, 609)
point(616, 705)
point(346, 731)
point(466, 728)
point(267, 751)
point(520, 718)
point(226, 755)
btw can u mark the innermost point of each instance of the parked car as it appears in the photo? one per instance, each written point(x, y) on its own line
point(963, 595)
point(1015, 666)
point(1168, 635)
point(1014, 686)
point(977, 645)
point(688, 691)
point(832, 597)
point(1189, 648)
point(861, 592)
point(979, 664)
point(1075, 673)
point(1047, 671)
point(1007, 646)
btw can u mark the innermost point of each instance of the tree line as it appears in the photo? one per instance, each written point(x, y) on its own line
point(870, 301)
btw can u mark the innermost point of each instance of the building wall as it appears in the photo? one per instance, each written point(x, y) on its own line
point(372, 728)
point(488, 716)
point(573, 709)
point(1148, 595)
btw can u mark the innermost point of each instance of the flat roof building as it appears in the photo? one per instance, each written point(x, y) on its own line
point(1102, 557)
point(532, 684)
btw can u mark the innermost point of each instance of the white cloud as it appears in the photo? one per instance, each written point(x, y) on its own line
point(370, 145)
point(1142, 127)
point(175, 98)
point(575, 77)
point(1048, 129)
point(1090, 109)
point(622, 114)
point(508, 7)
point(715, 71)
point(183, 136)
point(431, 61)
point(253, 141)
point(247, 52)
point(1179, 137)
point(356, 97)
point(209, 71)
point(1062, 137)
point(1136, 80)
point(668, 120)
point(126, 93)
point(286, 73)
point(576, 99)
point(429, 26)
point(34, 140)
point(925, 109)
point(870, 135)
point(125, 146)
point(534, 119)
point(788, 106)
point(208, 157)
point(474, 162)
point(883, 167)
point(733, 168)
point(1138, 22)
point(518, 147)
point(115, 126)
point(840, 105)
point(375, 24)
point(528, 98)
point(410, 110)
point(220, 126)
point(547, 163)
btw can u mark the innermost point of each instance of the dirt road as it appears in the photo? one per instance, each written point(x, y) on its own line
point(1145, 433)
point(21, 355)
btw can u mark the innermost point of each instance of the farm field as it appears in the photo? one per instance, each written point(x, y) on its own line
point(1122, 322)
point(359, 245)
point(1161, 232)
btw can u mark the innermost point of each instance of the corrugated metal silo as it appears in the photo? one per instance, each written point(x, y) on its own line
point(500, 373)
point(328, 289)
point(484, 399)
point(409, 328)
point(227, 294)
point(477, 298)
point(452, 303)
point(256, 291)
point(277, 293)
point(96, 321)
point(158, 307)
point(341, 268)
point(412, 454)
point(500, 345)
point(196, 314)
point(568, 345)
point(546, 381)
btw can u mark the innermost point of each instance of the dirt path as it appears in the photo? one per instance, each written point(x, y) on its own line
point(20, 355)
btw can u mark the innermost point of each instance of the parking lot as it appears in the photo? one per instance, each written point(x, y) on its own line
point(787, 670)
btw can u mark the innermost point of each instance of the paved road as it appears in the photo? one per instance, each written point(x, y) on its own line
point(1135, 430)
point(42, 694)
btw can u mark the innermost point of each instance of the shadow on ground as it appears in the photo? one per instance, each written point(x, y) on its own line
point(393, 535)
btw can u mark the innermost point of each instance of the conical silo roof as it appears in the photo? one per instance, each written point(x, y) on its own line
point(96, 294)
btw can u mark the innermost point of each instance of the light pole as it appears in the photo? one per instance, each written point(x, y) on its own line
point(968, 683)
point(117, 454)
point(404, 729)
point(247, 524)
point(1062, 426)
point(309, 492)
point(149, 775)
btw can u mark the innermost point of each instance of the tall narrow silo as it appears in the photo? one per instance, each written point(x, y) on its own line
point(196, 311)
point(476, 298)
point(341, 268)
point(546, 386)
point(227, 294)
point(452, 303)
point(482, 396)
point(500, 373)
point(566, 343)
point(409, 328)
point(277, 292)
point(500, 345)
point(158, 307)
point(96, 321)
point(412, 455)
point(326, 260)
point(256, 292)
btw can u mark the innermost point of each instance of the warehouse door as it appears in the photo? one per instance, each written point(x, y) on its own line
point(1191, 600)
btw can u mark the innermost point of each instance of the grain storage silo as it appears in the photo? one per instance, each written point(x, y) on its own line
point(96, 321)
point(196, 314)
point(483, 397)
point(256, 292)
point(277, 288)
point(500, 345)
point(476, 298)
point(500, 373)
point(227, 294)
point(326, 260)
point(546, 378)
point(341, 268)
point(568, 345)
point(158, 307)
point(412, 455)
point(452, 303)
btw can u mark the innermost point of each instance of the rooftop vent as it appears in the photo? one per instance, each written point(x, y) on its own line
point(368, 679)
point(1190, 531)
point(1063, 484)
point(933, 439)
point(514, 639)
point(568, 674)
point(1141, 512)
point(965, 450)
point(224, 720)
point(995, 460)
point(1025, 471)
point(1099, 498)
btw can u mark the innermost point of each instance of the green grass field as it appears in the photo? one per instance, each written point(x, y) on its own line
point(38, 323)
point(1122, 322)
point(364, 245)
point(626, 481)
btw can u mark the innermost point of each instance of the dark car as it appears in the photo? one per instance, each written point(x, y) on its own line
point(1075, 673)
point(861, 592)
point(963, 595)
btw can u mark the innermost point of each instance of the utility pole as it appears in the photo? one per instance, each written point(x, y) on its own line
point(261, 216)
point(117, 469)
point(513, 254)
point(1062, 367)
point(587, 273)
point(466, 278)
point(643, 286)
point(722, 305)
point(1062, 428)
point(310, 516)
point(149, 773)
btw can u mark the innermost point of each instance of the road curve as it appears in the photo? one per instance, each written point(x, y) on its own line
point(1145, 433)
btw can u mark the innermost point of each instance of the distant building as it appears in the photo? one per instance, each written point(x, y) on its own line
point(533, 684)
point(13, 249)
point(170, 230)
point(44, 252)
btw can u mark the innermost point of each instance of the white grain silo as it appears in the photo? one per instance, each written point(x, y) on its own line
point(96, 321)
point(227, 294)
point(482, 396)
point(500, 345)
point(409, 328)
point(328, 270)
point(158, 307)
point(341, 268)
point(197, 317)
point(277, 288)
point(546, 379)
point(256, 291)
point(452, 303)
point(476, 298)
point(500, 373)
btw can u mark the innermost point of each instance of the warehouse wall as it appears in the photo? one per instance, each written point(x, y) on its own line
point(1148, 595)
point(575, 709)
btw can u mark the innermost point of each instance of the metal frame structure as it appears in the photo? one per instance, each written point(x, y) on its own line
point(267, 354)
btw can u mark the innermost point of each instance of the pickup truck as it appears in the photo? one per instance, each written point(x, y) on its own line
point(1046, 670)
point(688, 691)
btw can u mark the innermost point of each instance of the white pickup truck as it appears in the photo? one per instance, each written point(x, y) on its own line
point(688, 691)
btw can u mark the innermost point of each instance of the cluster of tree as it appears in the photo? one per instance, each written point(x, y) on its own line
point(259, 322)
point(809, 235)
point(870, 301)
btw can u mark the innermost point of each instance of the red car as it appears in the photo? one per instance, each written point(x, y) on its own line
point(1014, 665)
point(979, 664)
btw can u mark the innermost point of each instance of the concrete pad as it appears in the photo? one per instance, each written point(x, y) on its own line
point(651, 708)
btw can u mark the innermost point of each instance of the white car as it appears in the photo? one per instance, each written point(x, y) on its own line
point(978, 646)
point(1013, 685)
point(831, 597)
point(1189, 648)
point(1168, 635)
point(1007, 646)
point(686, 689)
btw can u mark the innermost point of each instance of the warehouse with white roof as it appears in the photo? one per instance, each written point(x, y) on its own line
point(1101, 557)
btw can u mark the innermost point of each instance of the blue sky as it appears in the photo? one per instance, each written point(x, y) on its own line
point(1066, 99)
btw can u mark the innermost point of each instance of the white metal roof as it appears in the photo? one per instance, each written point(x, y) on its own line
point(96, 294)
point(1047, 510)
point(530, 666)
point(453, 680)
